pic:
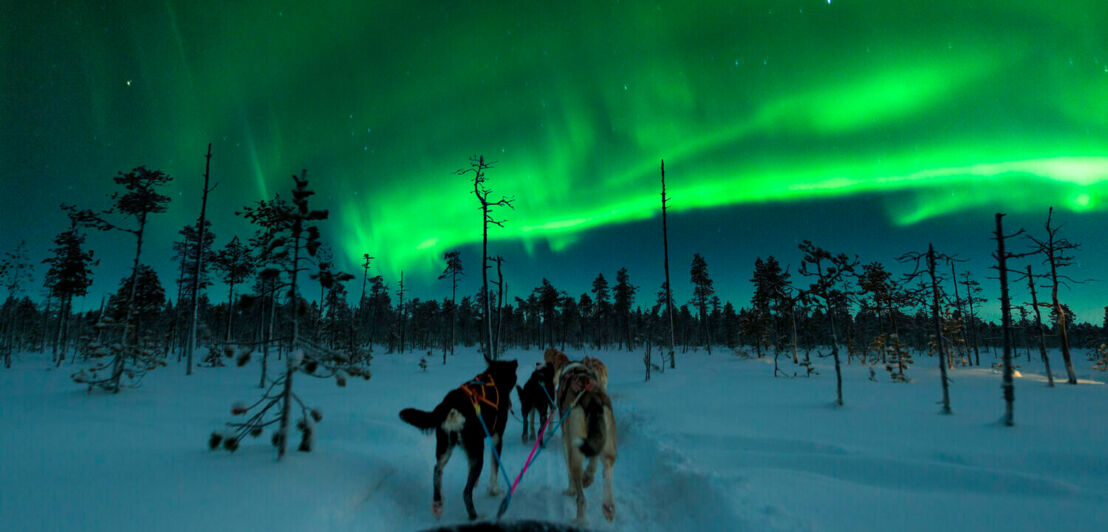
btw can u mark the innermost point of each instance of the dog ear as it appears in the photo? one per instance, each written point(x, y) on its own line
point(488, 361)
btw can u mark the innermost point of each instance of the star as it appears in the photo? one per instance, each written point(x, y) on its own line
point(128, 82)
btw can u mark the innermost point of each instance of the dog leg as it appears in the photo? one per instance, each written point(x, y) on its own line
point(475, 452)
point(574, 461)
point(496, 444)
point(609, 499)
point(590, 472)
point(582, 504)
point(443, 450)
point(526, 423)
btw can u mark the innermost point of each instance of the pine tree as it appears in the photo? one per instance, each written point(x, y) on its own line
point(15, 274)
point(185, 252)
point(272, 218)
point(624, 299)
point(829, 272)
point(294, 241)
point(139, 200)
point(768, 302)
point(69, 275)
point(602, 310)
point(453, 271)
point(236, 263)
point(702, 292)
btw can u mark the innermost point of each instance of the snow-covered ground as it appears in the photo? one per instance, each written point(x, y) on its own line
point(718, 444)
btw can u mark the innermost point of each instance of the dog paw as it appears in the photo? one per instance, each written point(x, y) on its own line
point(436, 509)
point(569, 492)
point(495, 492)
point(609, 511)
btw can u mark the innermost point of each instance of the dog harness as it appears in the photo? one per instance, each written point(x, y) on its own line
point(478, 391)
point(576, 377)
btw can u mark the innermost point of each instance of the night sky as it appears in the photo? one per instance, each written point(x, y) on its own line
point(870, 127)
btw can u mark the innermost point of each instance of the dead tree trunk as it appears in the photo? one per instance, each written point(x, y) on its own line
point(1006, 320)
point(403, 315)
point(199, 263)
point(669, 292)
point(1039, 328)
point(937, 323)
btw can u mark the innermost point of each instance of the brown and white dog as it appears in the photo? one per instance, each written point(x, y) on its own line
point(555, 359)
point(599, 368)
point(589, 432)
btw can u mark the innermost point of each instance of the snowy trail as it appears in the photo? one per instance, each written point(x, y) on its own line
point(654, 487)
point(718, 444)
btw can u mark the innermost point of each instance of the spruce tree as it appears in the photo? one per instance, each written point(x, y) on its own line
point(623, 300)
point(69, 275)
point(702, 292)
point(236, 263)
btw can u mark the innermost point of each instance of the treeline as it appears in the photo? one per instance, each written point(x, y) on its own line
point(826, 299)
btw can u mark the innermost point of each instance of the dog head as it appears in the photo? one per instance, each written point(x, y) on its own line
point(598, 368)
point(555, 359)
point(503, 372)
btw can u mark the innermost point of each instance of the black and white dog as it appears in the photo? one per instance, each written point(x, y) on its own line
point(457, 420)
point(535, 396)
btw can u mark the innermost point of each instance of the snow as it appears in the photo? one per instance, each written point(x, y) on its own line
point(718, 444)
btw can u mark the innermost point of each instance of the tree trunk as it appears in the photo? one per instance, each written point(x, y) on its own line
point(938, 328)
point(198, 267)
point(128, 327)
point(487, 316)
point(1039, 327)
point(669, 292)
point(290, 370)
point(1006, 321)
point(230, 309)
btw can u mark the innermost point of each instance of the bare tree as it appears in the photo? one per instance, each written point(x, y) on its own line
point(1039, 327)
point(972, 291)
point(1002, 255)
point(478, 167)
point(199, 264)
point(1055, 251)
point(669, 293)
point(936, 310)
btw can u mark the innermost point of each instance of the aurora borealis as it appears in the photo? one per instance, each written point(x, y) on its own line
point(871, 126)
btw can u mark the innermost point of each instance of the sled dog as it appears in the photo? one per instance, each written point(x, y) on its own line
point(457, 421)
point(599, 368)
point(555, 359)
point(535, 397)
point(588, 433)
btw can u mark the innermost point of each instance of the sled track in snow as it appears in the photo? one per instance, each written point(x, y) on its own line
point(656, 488)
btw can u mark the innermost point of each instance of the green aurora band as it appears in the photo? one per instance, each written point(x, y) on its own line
point(937, 108)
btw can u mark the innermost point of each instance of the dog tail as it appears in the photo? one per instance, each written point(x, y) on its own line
point(426, 421)
point(594, 420)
